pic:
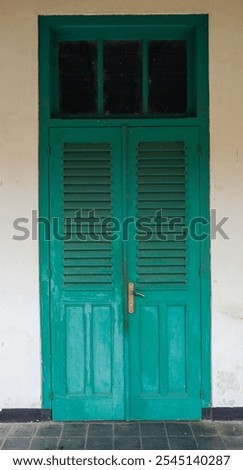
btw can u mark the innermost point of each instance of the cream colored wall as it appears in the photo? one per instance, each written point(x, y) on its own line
point(20, 361)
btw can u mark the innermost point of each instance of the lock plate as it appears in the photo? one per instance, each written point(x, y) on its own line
point(130, 297)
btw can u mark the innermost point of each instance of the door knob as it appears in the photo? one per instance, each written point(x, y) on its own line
point(130, 297)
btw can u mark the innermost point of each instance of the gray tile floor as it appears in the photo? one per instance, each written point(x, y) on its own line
point(214, 435)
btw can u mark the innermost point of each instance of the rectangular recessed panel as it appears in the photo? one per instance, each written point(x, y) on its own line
point(102, 346)
point(77, 77)
point(87, 180)
point(75, 350)
point(122, 77)
point(149, 350)
point(167, 76)
point(161, 206)
point(176, 333)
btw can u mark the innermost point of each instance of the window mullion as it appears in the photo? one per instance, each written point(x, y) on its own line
point(145, 76)
point(100, 78)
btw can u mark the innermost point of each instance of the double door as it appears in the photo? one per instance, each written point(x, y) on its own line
point(125, 287)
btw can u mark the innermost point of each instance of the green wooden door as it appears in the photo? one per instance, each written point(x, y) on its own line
point(164, 331)
point(107, 363)
point(87, 301)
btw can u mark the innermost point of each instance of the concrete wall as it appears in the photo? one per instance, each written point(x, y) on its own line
point(20, 360)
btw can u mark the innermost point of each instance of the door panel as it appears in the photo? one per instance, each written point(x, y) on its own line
point(97, 174)
point(87, 309)
point(164, 331)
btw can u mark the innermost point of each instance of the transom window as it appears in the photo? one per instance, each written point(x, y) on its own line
point(123, 77)
point(125, 67)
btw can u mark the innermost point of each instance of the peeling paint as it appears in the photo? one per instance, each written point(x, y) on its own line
point(235, 312)
point(227, 381)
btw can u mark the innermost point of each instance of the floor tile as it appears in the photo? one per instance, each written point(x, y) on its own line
point(4, 429)
point(178, 429)
point(180, 443)
point(126, 429)
point(210, 442)
point(156, 443)
point(75, 429)
point(71, 443)
point(230, 429)
point(152, 429)
point(100, 443)
point(23, 429)
point(100, 429)
point(204, 429)
point(128, 443)
point(233, 443)
point(52, 429)
point(17, 443)
point(205, 435)
point(44, 443)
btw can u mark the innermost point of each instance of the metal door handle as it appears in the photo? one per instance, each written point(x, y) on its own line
point(139, 294)
point(130, 297)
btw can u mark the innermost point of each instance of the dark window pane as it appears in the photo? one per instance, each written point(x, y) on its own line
point(167, 71)
point(122, 77)
point(78, 77)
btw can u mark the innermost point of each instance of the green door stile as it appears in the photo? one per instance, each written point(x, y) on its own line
point(106, 363)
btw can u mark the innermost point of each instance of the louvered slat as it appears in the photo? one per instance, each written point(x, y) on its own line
point(87, 263)
point(161, 177)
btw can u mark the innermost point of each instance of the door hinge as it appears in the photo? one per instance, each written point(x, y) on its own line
point(51, 395)
point(202, 394)
point(48, 151)
point(199, 150)
point(199, 272)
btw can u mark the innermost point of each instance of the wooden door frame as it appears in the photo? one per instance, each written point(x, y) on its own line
point(47, 24)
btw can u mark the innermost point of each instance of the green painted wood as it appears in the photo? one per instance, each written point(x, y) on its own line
point(163, 335)
point(100, 79)
point(75, 349)
point(51, 29)
point(102, 325)
point(87, 304)
point(65, 21)
point(145, 76)
point(44, 248)
point(164, 121)
point(149, 328)
point(179, 27)
point(164, 332)
point(176, 353)
point(203, 93)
